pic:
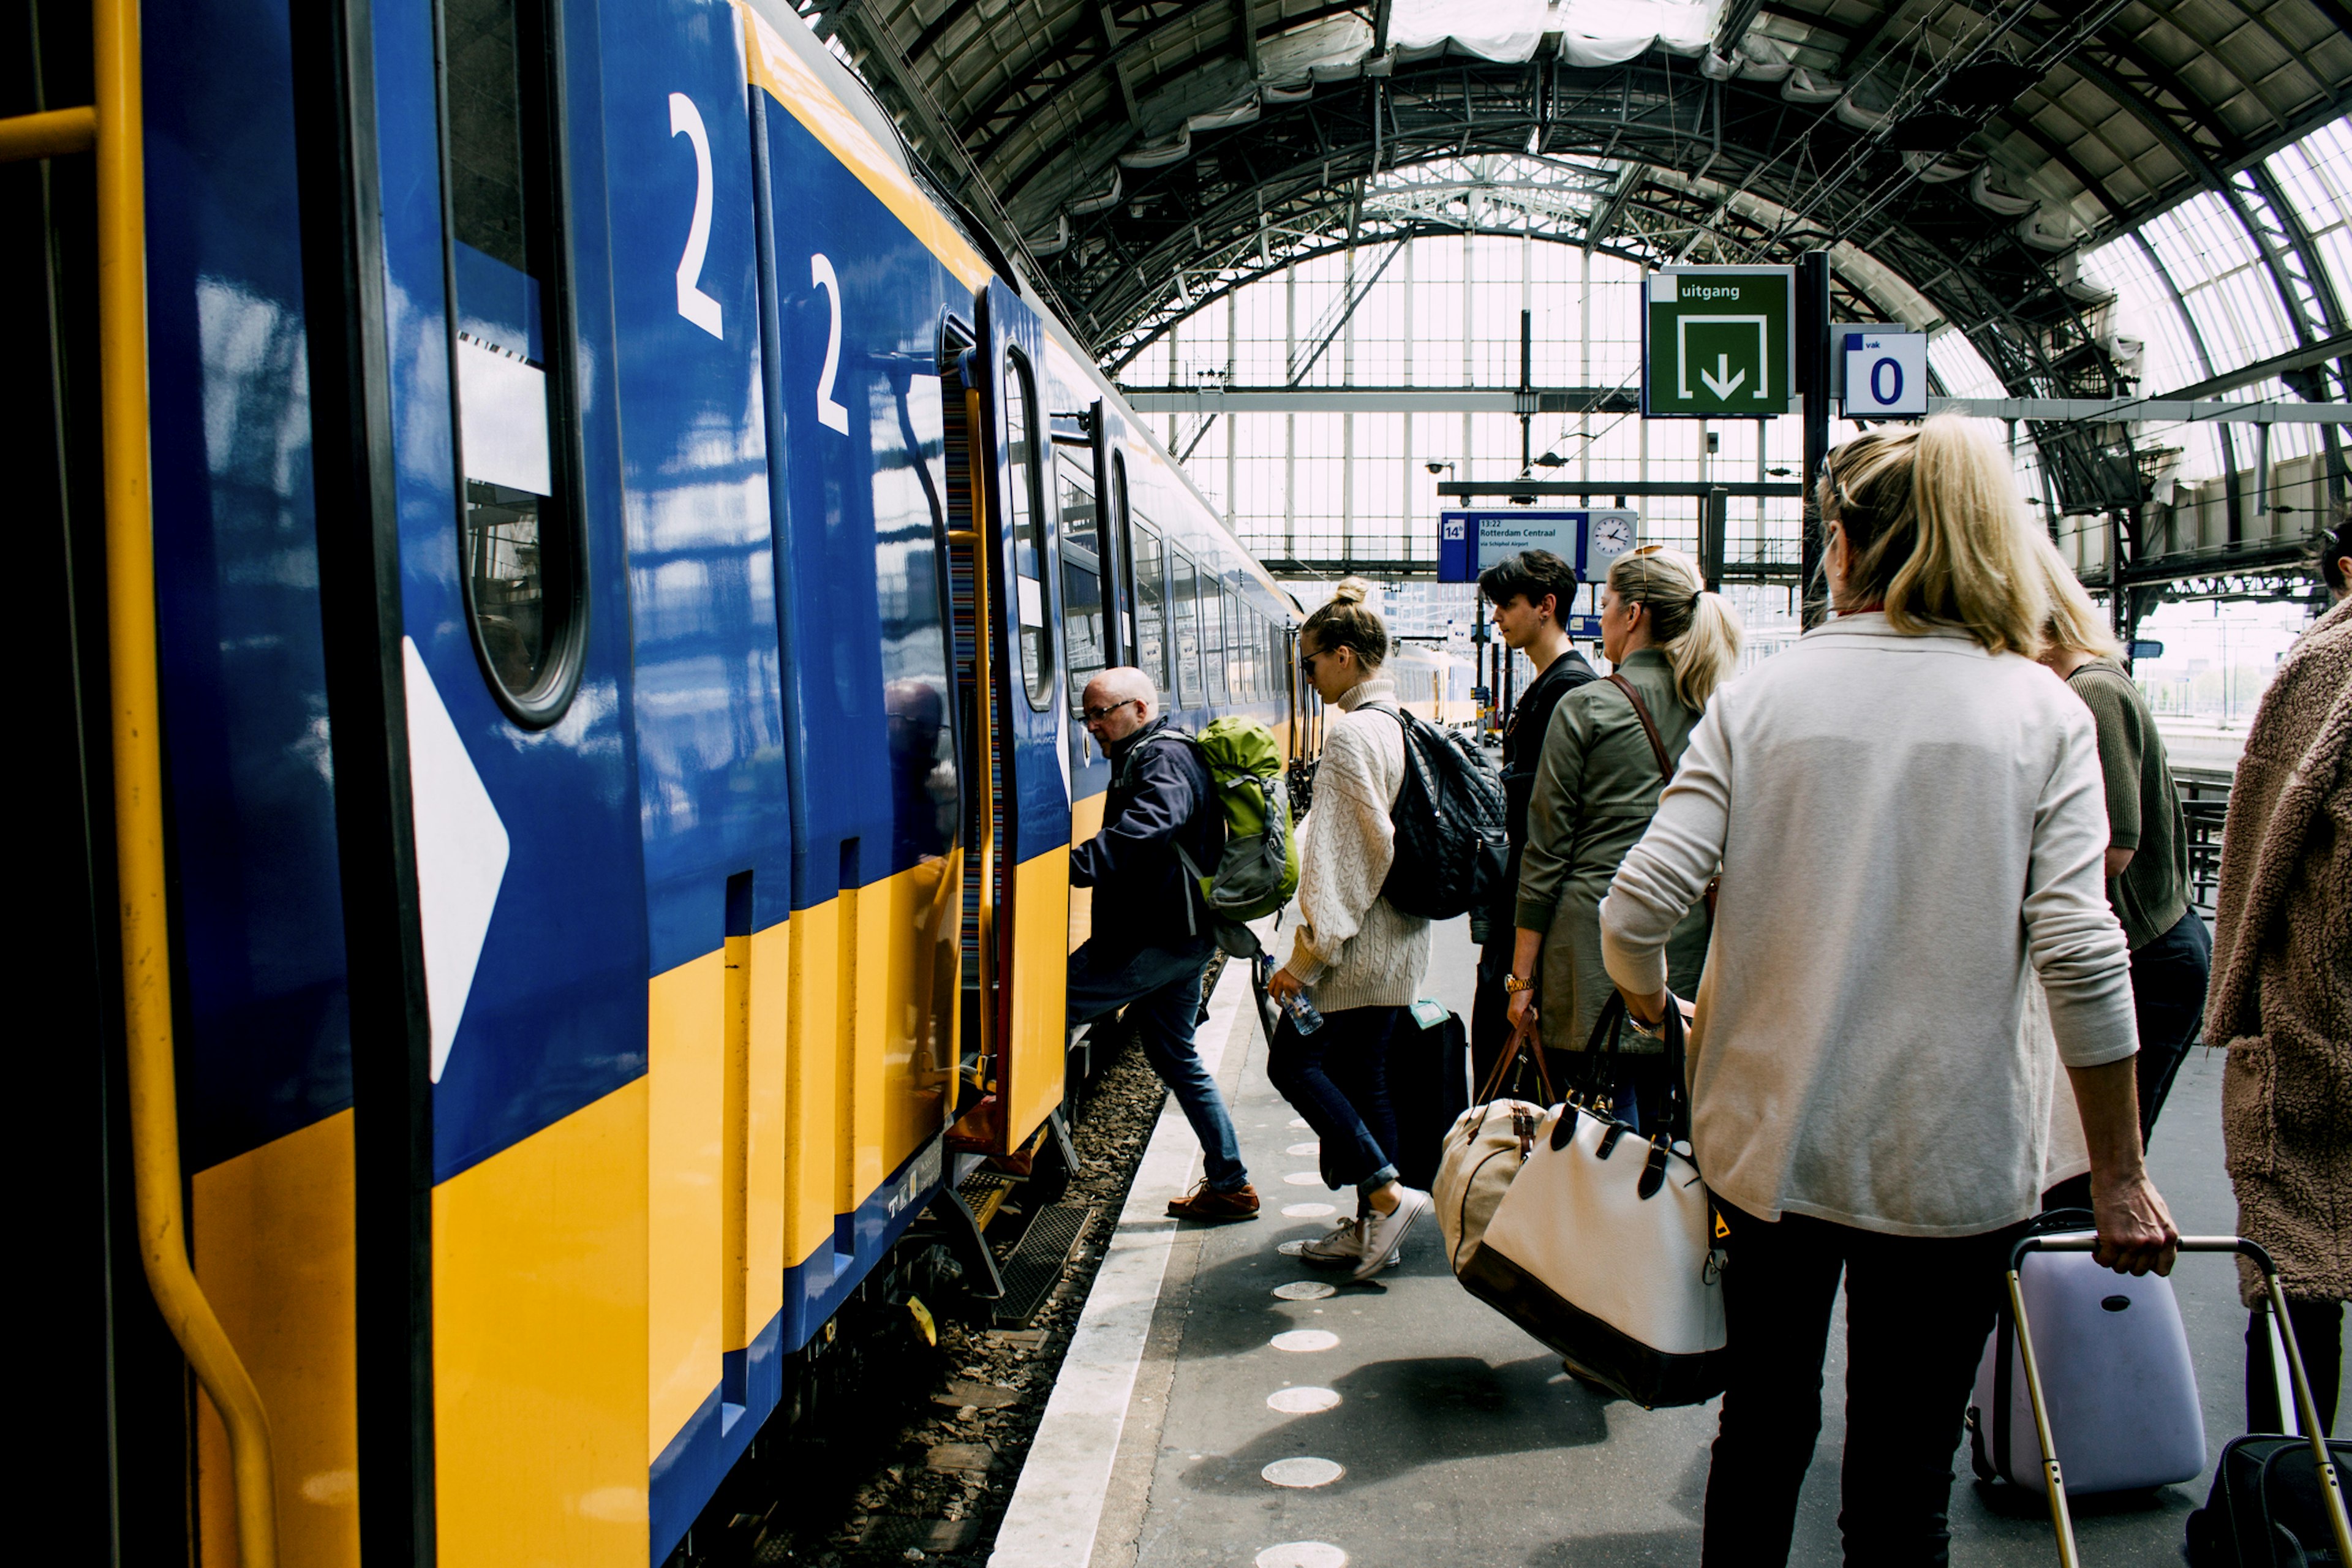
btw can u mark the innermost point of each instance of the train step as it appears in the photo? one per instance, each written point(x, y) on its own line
point(1038, 1260)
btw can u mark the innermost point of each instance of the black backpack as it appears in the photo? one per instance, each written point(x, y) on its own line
point(1451, 848)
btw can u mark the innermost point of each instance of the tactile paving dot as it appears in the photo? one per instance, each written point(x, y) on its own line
point(1296, 1121)
point(1302, 1400)
point(1304, 1472)
point(1302, 1554)
point(1306, 1290)
point(1303, 1178)
point(1305, 1340)
point(1303, 1150)
point(1291, 1249)
point(1307, 1210)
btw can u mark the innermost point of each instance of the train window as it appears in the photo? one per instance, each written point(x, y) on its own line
point(1185, 619)
point(1024, 505)
point(1151, 597)
point(1082, 575)
point(521, 563)
point(1212, 635)
point(1119, 530)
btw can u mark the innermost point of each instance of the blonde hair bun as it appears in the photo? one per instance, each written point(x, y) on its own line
point(1351, 591)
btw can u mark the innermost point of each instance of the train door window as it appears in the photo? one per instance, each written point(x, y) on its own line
point(1082, 575)
point(522, 565)
point(1257, 654)
point(1150, 603)
point(1024, 507)
point(1186, 617)
point(1118, 528)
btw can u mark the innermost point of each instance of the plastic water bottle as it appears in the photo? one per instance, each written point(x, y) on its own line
point(1304, 1015)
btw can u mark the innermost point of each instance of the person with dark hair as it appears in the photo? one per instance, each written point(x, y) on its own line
point(1531, 592)
point(2282, 997)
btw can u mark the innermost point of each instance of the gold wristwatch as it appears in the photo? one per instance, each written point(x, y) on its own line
point(1513, 983)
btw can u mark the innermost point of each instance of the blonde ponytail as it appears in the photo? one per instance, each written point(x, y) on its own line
point(1939, 534)
point(2074, 624)
point(1697, 631)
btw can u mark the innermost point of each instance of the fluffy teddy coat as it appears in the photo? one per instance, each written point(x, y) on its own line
point(2282, 993)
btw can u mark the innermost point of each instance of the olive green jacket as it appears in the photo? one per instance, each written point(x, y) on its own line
point(1596, 788)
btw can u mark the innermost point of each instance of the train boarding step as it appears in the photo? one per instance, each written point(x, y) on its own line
point(1038, 1260)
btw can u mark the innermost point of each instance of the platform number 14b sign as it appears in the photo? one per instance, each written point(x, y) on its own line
point(1716, 341)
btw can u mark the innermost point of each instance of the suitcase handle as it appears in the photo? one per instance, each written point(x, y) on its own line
point(2060, 1521)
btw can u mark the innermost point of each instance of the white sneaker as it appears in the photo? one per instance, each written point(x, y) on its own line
point(1342, 1249)
point(1384, 1233)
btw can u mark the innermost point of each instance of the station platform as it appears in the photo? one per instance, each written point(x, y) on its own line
point(1203, 1418)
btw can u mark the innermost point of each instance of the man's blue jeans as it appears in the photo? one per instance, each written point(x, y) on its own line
point(1161, 989)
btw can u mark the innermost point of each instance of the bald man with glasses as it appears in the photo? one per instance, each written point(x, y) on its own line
point(1152, 936)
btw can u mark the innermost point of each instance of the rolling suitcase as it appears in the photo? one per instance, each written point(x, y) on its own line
point(2116, 1375)
point(1429, 1086)
point(2250, 1510)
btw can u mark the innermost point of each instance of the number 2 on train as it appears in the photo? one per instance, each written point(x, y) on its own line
point(831, 412)
point(696, 306)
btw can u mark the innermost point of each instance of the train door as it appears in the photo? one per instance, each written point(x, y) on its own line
point(1024, 720)
point(1117, 559)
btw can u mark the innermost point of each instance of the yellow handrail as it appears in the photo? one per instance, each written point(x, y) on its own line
point(983, 686)
point(51, 134)
point(139, 785)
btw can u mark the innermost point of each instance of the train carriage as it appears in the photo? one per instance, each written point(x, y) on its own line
point(597, 747)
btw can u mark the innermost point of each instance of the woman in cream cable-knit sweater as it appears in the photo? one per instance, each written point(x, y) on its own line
point(1359, 955)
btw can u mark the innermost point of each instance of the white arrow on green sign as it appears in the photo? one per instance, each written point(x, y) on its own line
point(1716, 341)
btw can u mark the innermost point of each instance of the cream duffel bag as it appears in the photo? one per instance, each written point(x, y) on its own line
point(1601, 1245)
point(1484, 1150)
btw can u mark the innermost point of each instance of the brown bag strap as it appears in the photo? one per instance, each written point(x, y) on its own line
point(1666, 765)
point(1524, 1039)
point(1649, 727)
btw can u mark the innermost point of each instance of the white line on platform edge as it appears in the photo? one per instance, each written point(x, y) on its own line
point(1057, 1504)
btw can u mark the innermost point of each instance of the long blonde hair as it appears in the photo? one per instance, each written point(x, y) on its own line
point(1937, 533)
point(2075, 622)
point(1696, 630)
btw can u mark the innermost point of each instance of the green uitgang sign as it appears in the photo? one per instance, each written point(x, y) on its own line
point(1716, 341)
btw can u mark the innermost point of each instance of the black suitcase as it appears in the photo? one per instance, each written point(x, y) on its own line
point(1429, 1086)
point(2268, 1507)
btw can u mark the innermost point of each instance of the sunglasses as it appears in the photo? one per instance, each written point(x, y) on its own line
point(1096, 715)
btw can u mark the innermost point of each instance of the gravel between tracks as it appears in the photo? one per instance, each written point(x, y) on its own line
point(937, 1487)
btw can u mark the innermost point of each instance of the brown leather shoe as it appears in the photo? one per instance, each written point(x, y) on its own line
point(1204, 1205)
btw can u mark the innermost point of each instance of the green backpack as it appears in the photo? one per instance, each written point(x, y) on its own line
point(1258, 871)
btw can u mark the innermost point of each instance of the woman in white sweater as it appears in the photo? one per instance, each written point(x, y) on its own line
point(1908, 817)
point(1359, 957)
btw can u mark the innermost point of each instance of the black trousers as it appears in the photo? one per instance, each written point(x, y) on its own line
point(2319, 1335)
point(1918, 1312)
point(2169, 978)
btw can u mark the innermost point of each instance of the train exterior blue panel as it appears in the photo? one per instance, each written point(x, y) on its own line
point(859, 497)
point(555, 1017)
point(710, 757)
point(265, 1042)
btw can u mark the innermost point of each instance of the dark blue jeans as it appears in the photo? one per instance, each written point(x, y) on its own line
point(1161, 989)
point(1338, 1077)
point(2169, 978)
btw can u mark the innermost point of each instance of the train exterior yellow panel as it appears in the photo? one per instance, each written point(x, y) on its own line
point(1085, 821)
point(1038, 1041)
point(538, 1350)
point(773, 66)
point(763, 1162)
point(686, 1041)
point(919, 909)
point(813, 1089)
point(274, 1252)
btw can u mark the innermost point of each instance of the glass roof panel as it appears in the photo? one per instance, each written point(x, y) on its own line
point(2213, 260)
point(2316, 174)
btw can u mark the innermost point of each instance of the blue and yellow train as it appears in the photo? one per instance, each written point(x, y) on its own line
point(564, 570)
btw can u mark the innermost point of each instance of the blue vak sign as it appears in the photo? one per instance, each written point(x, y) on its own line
point(1716, 341)
point(1885, 374)
point(1588, 539)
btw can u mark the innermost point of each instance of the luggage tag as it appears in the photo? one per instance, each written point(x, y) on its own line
point(1428, 1012)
